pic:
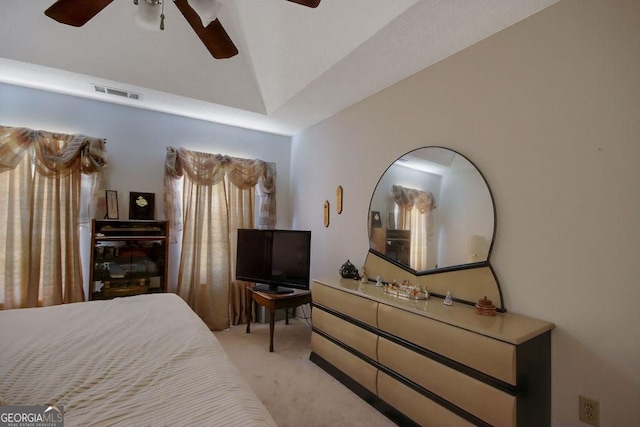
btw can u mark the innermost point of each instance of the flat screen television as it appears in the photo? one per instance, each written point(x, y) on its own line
point(277, 261)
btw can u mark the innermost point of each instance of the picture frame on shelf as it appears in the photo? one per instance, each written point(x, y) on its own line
point(141, 205)
point(376, 220)
point(111, 197)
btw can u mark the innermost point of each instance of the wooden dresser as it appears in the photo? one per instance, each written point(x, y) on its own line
point(422, 362)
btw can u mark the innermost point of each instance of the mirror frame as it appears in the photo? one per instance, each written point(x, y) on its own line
point(468, 282)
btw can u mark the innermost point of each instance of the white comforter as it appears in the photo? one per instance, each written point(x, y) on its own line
point(143, 360)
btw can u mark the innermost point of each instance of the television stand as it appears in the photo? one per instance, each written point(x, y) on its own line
point(272, 289)
point(274, 302)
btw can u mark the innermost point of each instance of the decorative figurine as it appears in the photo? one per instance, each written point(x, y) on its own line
point(405, 290)
point(448, 300)
point(364, 278)
point(348, 270)
point(485, 307)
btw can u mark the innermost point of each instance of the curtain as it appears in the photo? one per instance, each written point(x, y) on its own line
point(208, 197)
point(49, 181)
point(415, 213)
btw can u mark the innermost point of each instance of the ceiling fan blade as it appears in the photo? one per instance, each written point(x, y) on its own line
point(308, 3)
point(75, 12)
point(214, 36)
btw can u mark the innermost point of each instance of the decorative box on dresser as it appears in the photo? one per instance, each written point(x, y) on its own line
point(422, 362)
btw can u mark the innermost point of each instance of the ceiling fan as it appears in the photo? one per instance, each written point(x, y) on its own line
point(209, 29)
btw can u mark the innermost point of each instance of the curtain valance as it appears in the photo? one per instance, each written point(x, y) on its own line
point(55, 153)
point(407, 198)
point(210, 169)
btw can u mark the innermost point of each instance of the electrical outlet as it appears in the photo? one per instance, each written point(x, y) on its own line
point(589, 410)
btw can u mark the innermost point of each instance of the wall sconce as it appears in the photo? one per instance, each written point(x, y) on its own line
point(325, 213)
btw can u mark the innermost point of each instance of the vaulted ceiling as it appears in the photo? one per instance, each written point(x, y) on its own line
point(296, 66)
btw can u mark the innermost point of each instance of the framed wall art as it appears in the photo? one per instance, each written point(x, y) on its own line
point(376, 220)
point(141, 205)
point(112, 204)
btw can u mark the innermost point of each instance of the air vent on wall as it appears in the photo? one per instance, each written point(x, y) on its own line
point(117, 92)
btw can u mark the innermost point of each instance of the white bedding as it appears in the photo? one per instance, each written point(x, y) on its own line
point(142, 360)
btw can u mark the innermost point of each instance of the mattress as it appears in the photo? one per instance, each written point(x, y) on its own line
point(142, 360)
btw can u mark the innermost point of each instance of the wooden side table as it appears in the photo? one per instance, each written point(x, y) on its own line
point(275, 302)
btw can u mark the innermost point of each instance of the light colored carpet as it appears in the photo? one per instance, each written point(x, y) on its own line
point(295, 390)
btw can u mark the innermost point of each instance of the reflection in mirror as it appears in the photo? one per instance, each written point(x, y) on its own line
point(432, 210)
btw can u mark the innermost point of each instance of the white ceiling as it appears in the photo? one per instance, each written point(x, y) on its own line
point(296, 66)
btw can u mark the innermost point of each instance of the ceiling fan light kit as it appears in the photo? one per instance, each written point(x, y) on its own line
point(148, 15)
point(200, 14)
point(207, 10)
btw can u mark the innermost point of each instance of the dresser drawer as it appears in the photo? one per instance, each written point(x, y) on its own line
point(419, 408)
point(480, 399)
point(362, 372)
point(363, 341)
point(487, 355)
point(363, 309)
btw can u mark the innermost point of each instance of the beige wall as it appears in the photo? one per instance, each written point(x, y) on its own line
point(549, 110)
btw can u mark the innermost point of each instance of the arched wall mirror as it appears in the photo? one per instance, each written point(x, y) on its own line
point(432, 212)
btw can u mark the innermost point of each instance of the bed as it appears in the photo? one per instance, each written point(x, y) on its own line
point(141, 360)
